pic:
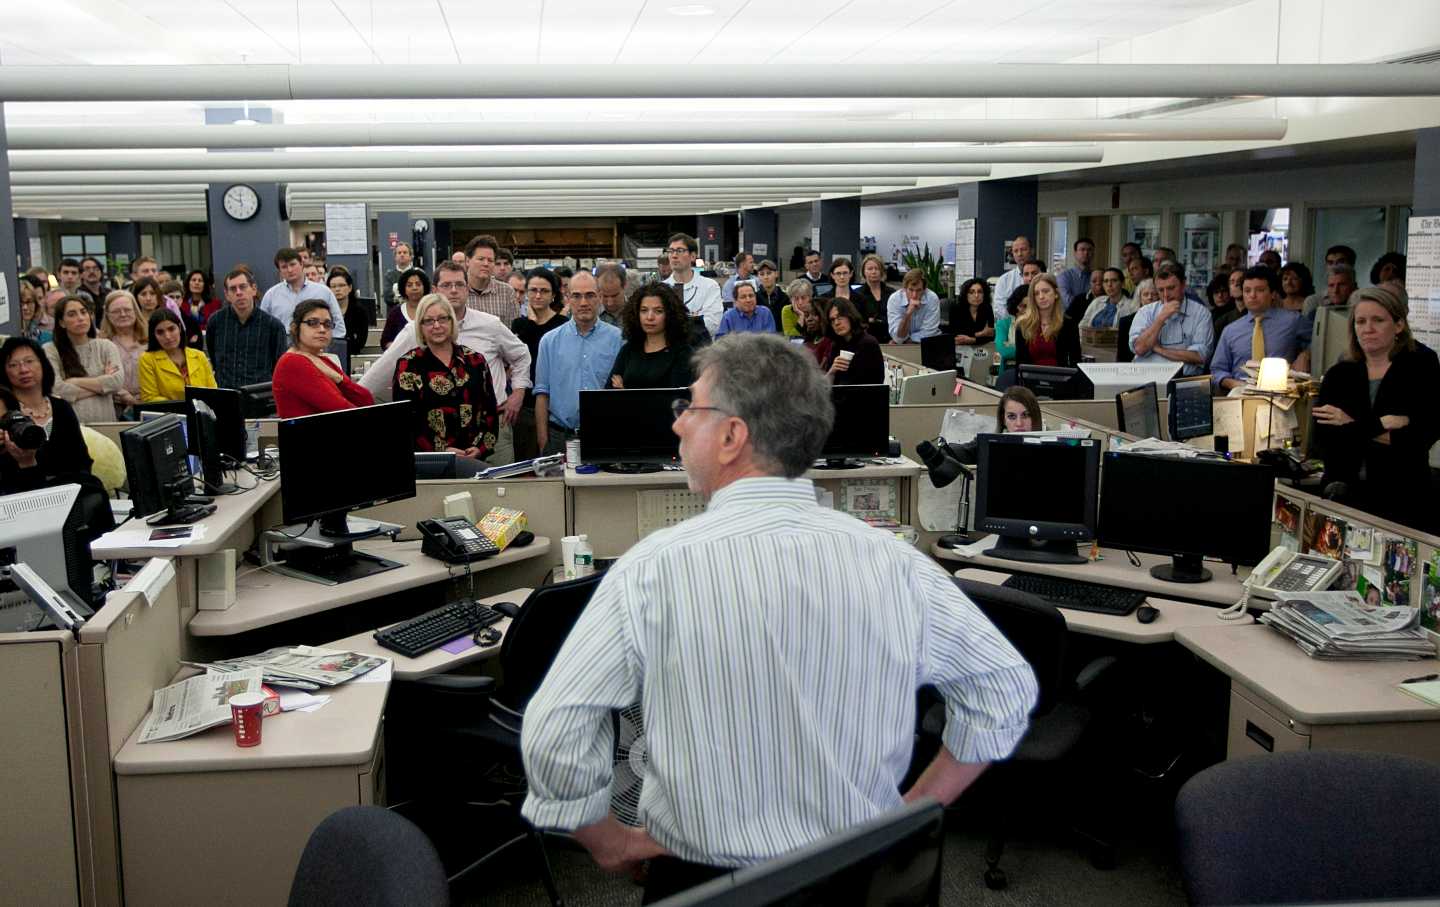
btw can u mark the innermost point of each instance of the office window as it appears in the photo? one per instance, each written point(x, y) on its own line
point(1199, 247)
point(1057, 242)
point(77, 246)
point(1143, 230)
point(1269, 229)
point(1362, 229)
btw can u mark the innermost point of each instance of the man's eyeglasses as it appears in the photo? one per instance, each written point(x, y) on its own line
point(678, 250)
point(586, 297)
point(323, 325)
point(438, 319)
point(681, 406)
point(450, 285)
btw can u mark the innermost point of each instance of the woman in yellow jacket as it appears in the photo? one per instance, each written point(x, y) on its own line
point(169, 364)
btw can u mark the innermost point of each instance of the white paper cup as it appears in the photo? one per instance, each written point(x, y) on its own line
point(567, 554)
point(847, 355)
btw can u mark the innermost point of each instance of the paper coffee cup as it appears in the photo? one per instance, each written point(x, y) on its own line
point(246, 712)
point(847, 355)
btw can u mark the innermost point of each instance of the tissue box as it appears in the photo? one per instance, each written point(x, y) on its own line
point(501, 525)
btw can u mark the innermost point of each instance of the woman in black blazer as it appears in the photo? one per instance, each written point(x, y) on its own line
point(872, 296)
point(1376, 416)
point(1039, 340)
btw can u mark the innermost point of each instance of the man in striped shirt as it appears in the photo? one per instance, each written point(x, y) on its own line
point(775, 646)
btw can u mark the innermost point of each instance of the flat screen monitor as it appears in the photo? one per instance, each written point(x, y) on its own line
point(229, 408)
point(1052, 382)
point(862, 425)
point(258, 400)
point(1037, 493)
point(1138, 411)
point(1192, 412)
point(205, 441)
point(894, 859)
point(936, 387)
point(1188, 508)
point(630, 430)
point(45, 530)
point(157, 467)
point(938, 353)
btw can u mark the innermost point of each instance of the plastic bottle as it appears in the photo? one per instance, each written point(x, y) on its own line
point(584, 557)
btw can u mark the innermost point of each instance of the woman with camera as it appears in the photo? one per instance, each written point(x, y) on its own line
point(40, 440)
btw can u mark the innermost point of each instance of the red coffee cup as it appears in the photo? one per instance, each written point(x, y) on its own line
point(246, 710)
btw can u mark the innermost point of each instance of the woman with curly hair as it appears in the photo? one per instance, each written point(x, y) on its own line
point(657, 347)
point(455, 407)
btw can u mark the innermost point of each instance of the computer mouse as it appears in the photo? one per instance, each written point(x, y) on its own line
point(488, 636)
point(509, 609)
point(1146, 614)
point(524, 538)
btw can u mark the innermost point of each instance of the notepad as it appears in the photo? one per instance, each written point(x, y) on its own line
point(1428, 691)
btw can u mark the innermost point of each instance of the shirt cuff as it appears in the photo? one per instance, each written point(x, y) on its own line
point(566, 815)
point(973, 745)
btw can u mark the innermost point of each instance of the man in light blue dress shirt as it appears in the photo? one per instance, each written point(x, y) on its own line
point(293, 289)
point(1175, 329)
point(1075, 281)
point(767, 677)
point(744, 265)
point(1286, 333)
point(913, 311)
point(576, 356)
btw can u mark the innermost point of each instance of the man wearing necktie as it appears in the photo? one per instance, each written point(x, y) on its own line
point(1264, 330)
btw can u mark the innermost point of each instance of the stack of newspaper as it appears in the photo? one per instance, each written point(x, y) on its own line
point(1340, 625)
point(196, 704)
point(301, 667)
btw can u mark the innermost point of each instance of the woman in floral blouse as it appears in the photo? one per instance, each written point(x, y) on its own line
point(455, 407)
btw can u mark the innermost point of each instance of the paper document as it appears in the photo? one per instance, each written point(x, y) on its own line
point(143, 536)
point(939, 507)
point(196, 704)
point(302, 666)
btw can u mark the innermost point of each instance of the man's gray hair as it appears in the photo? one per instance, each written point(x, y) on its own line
point(611, 271)
point(778, 391)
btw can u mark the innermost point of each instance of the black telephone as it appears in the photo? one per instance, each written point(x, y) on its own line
point(454, 540)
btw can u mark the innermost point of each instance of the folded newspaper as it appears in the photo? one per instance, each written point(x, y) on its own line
point(300, 667)
point(196, 704)
point(1340, 625)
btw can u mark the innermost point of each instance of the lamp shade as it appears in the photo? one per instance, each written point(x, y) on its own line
point(1274, 374)
point(943, 468)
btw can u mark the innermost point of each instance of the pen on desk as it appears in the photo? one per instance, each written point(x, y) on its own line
point(1426, 678)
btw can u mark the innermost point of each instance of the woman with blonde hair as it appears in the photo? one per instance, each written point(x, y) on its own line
point(872, 295)
point(121, 324)
point(455, 409)
point(1043, 335)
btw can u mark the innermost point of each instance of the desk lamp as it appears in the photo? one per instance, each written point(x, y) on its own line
point(945, 467)
point(1273, 381)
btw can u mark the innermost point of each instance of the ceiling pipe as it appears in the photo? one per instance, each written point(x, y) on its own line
point(389, 177)
point(420, 169)
point(641, 156)
point(683, 132)
point(274, 82)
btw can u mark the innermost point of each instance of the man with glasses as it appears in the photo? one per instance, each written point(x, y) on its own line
point(506, 355)
point(830, 679)
point(610, 278)
point(92, 279)
point(701, 295)
point(280, 300)
point(244, 343)
point(487, 294)
point(576, 356)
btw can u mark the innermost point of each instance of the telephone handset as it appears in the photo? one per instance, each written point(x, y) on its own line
point(1284, 570)
point(454, 540)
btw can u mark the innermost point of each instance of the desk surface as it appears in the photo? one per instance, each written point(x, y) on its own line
point(906, 469)
point(231, 511)
point(1173, 616)
point(1115, 570)
point(1311, 690)
point(341, 733)
point(263, 598)
point(436, 661)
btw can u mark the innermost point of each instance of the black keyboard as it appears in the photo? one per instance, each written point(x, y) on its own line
point(433, 629)
point(1077, 595)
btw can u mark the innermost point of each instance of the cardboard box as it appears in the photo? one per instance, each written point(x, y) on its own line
point(502, 524)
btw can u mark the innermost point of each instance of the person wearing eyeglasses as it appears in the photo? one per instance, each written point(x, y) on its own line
point(307, 379)
point(577, 356)
point(542, 295)
point(699, 294)
point(450, 386)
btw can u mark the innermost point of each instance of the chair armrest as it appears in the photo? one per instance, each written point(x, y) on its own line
point(1092, 672)
point(456, 683)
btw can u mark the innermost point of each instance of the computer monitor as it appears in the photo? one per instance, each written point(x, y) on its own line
point(205, 441)
point(1054, 382)
point(334, 463)
point(630, 430)
point(938, 352)
point(936, 387)
point(862, 425)
point(157, 470)
point(1188, 508)
point(894, 859)
point(1137, 411)
point(1192, 411)
point(258, 400)
point(229, 408)
point(1037, 493)
point(45, 530)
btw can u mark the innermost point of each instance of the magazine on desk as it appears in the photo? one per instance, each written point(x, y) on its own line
point(196, 704)
point(302, 667)
point(1341, 625)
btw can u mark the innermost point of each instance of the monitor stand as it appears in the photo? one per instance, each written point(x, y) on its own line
point(840, 463)
point(325, 553)
point(1183, 568)
point(630, 468)
point(1050, 551)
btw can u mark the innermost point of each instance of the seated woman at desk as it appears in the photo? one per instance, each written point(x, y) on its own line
point(813, 332)
point(864, 363)
point(455, 408)
point(657, 349)
point(1107, 310)
point(1043, 335)
point(1019, 410)
point(1376, 418)
point(27, 387)
point(307, 379)
point(971, 317)
point(170, 364)
point(89, 371)
point(413, 286)
point(792, 317)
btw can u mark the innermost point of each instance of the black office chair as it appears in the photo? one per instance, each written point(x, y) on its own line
point(1323, 826)
point(1037, 631)
point(448, 727)
point(368, 855)
point(1123, 353)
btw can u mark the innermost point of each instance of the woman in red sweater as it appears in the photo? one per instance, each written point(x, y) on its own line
point(307, 380)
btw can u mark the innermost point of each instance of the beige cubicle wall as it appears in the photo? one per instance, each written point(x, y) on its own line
point(112, 430)
point(45, 838)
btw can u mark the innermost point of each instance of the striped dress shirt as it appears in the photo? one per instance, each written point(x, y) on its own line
point(498, 299)
point(775, 647)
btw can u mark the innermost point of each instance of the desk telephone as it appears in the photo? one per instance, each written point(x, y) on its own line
point(1283, 570)
point(454, 540)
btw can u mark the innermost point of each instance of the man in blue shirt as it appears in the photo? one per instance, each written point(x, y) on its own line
point(913, 312)
point(1175, 329)
point(280, 300)
point(574, 357)
point(744, 264)
point(1281, 332)
point(1075, 281)
point(746, 316)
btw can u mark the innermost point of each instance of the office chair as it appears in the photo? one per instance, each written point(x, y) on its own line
point(446, 725)
point(1037, 631)
point(368, 855)
point(1123, 353)
point(1302, 827)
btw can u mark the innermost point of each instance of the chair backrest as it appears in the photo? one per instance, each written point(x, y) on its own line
point(1322, 826)
point(1033, 626)
point(368, 855)
point(535, 636)
point(1123, 352)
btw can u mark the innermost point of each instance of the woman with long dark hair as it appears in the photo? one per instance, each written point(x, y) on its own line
point(657, 348)
point(89, 369)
